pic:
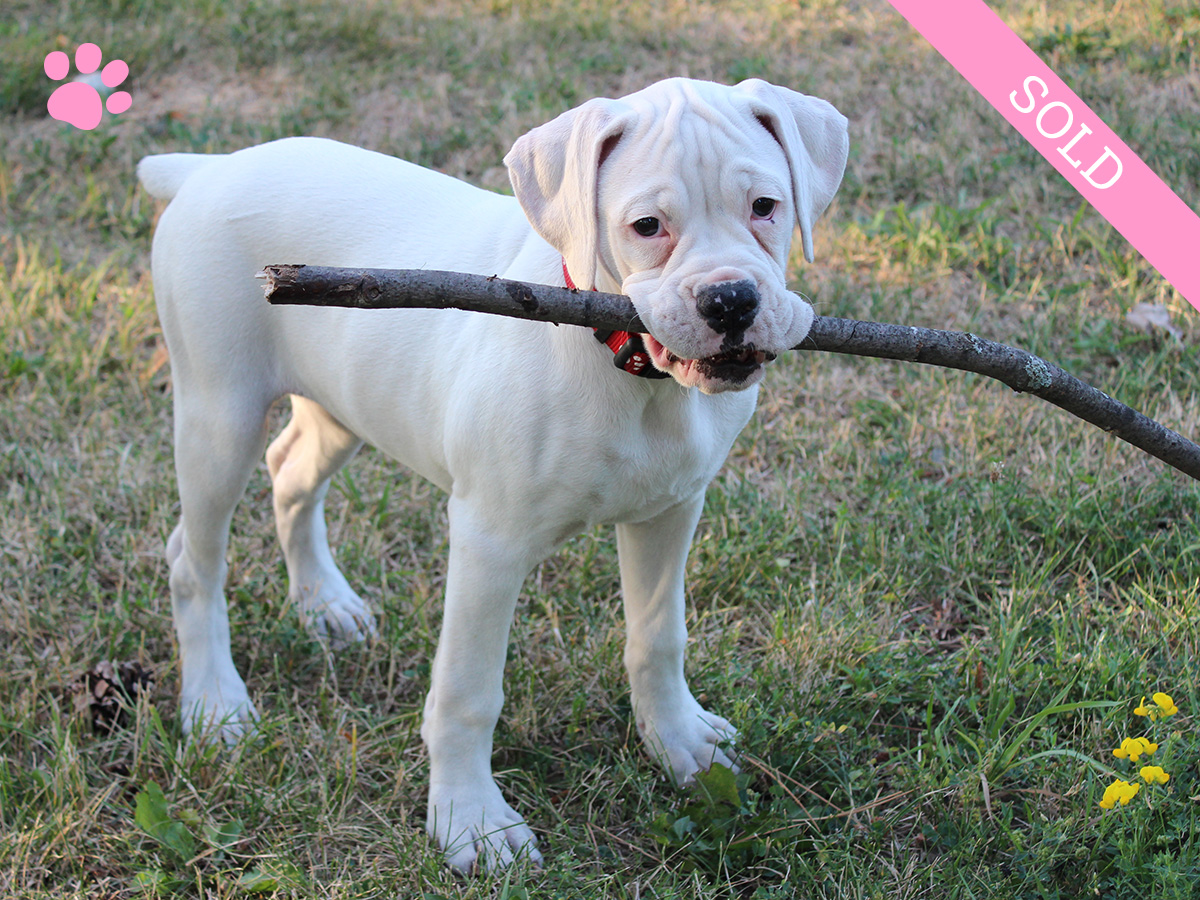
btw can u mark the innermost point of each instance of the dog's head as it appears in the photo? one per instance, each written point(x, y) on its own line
point(684, 196)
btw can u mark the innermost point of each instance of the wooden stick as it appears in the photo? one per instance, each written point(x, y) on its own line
point(1020, 370)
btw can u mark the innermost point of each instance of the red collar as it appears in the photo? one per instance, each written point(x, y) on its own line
point(630, 354)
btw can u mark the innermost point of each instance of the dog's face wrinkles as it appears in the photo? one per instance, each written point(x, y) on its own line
point(700, 243)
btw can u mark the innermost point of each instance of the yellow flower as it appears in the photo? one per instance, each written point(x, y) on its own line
point(1164, 703)
point(1119, 792)
point(1132, 748)
point(1154, 775)
point(1163, 706)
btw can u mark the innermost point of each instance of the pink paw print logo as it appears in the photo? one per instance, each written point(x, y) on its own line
point(78, 102)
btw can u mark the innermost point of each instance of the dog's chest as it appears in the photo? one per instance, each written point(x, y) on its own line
point(644, 465)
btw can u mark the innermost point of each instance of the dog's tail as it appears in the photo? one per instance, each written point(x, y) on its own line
point(163, 175)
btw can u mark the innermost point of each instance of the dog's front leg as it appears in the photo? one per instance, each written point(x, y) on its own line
point(676, 729)
point(468, 816)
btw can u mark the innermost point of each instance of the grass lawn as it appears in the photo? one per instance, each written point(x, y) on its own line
point(930, 605)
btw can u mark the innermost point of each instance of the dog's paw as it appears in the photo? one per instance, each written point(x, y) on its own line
point(223, 712)
point(688, 739)
point(477, 830)
point(338, 617)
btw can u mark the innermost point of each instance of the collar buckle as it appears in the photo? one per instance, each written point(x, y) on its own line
point(629, 353)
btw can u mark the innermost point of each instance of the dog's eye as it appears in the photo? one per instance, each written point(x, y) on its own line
point(763, 207)
point(647, 227)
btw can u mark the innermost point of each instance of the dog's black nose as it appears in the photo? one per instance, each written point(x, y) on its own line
point(728, 307)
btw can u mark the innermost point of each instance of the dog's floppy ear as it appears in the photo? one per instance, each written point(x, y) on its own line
point(816, 142)
point(555, 175)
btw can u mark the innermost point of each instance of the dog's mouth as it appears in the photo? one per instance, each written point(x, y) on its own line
point(735, 367)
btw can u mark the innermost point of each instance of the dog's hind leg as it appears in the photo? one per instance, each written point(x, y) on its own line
point(218, 441)
point(302, 460)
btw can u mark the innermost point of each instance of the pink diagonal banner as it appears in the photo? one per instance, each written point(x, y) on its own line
point(1066, 132)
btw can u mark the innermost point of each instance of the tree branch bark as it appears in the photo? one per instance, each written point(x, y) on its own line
point(1020, 370)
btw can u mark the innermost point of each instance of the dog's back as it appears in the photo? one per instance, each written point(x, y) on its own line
point(337, 202)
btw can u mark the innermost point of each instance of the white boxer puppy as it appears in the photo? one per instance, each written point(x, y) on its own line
point(683, 196)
